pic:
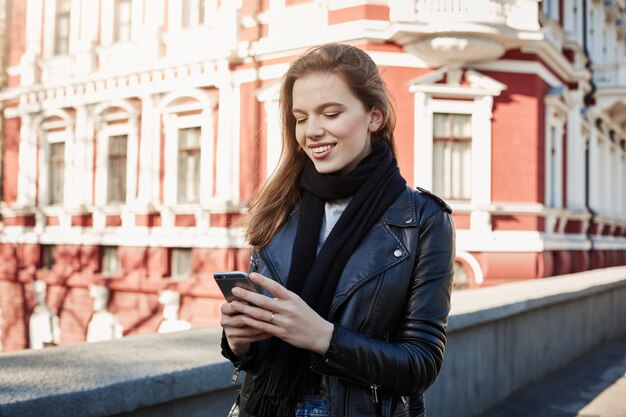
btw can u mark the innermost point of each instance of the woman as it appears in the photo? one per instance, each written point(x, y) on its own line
point(354, 267)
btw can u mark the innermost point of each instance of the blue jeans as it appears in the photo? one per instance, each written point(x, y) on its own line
point(313, 407)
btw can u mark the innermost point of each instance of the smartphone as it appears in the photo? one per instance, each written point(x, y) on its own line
point(229, 280)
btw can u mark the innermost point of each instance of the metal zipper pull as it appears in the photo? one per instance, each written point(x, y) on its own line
point(374, 388)
point(405, 403)
point(235, 376)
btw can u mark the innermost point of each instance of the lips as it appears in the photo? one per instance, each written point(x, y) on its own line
point(321, 151)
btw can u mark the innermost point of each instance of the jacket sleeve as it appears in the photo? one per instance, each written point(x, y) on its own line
point(409, 362)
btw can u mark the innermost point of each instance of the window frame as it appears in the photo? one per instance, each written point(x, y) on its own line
point(452, 140)
point(555, 118)
point(109, 125)
point(172, 123)
point(175, 274)
point(44, 191)
point(66, 15)
point(124, 197)
point(201, 15)
point(116, 24)
point(197, 153)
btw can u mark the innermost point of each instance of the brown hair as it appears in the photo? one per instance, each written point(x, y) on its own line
point(274, 201)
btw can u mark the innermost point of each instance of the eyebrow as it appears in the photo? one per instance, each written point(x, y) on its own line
point(320, 107)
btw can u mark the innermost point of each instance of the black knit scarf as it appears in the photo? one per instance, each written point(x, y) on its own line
point(283, 373)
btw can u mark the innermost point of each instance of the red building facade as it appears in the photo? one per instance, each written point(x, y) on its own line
point(137, 131)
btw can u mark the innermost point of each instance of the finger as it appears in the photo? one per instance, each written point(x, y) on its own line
point(227, 309)
point(245, 331)
point(272, 286)
point(253, 311)
point(251, 339)
point(264, 326)
point(253, 298)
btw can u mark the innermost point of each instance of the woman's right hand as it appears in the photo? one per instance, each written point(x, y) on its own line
point(238, 335)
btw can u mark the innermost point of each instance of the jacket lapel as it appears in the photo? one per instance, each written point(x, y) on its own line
point(380, 249)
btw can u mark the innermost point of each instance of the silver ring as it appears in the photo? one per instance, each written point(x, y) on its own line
point(272, 318)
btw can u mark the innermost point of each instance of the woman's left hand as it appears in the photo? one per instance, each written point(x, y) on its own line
point(285, 316)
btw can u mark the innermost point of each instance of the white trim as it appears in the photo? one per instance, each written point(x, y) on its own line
point(227, 118)
point(345, 4)
point(48, 28)
point(213, 237)
point(521, 67)
point(34, 11)
point(148, 173)
point(480, 110)
point(521, 241)
point(555, 118)
point(83, 162)
point(269, 96)
point(474, 265)
point(27, 163)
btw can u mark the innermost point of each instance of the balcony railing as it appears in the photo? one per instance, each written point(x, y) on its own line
point(612, 75)
point(516, 14)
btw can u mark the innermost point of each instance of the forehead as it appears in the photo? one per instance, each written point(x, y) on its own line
point(317, 88)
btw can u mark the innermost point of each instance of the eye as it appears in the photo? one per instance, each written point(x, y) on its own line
point(301, 120)
point(331, 115)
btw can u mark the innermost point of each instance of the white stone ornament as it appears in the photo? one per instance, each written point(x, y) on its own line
point(103, 325)
point(171, 304)
point(43, 324)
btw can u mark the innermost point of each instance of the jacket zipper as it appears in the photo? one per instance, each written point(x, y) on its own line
point(360, 381)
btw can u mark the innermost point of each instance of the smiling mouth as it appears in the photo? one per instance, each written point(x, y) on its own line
point(321, 149)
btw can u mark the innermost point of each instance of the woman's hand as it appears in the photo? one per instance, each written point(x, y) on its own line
point(285, 316)
point(238, 335)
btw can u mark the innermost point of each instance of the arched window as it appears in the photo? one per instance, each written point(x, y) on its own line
point(55, 153)
point(116, 154)
point(188, 149)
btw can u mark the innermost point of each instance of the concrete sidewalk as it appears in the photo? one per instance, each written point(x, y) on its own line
point(591, 386)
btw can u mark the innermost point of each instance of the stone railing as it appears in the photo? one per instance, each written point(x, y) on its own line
point(499, 339)
point(518, 14)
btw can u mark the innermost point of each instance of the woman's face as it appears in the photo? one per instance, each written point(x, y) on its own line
point(332, 126)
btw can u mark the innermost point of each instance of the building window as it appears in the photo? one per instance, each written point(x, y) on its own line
point(116, 169)
point(550, 9)
point(110, 261)
point(123, 20)
point(56, 173)
point(188, 188)
point(47, 256)
point(62, 27)
point(452, 153)
point(181, 263)
point(192, 13)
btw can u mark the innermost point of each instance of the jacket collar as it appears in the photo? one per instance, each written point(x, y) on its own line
point(380, 249)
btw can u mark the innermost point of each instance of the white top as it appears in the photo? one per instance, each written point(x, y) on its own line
point(332, 211)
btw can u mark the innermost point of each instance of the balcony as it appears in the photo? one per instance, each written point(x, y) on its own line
point(455, 32)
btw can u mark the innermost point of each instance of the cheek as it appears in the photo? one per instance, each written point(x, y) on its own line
point(300, 137)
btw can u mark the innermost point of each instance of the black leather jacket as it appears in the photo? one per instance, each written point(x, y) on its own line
point(390, 309)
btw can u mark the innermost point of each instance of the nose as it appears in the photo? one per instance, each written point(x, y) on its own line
point(314, 129)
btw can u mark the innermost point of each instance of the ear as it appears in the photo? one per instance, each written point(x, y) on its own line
point(376, 119)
